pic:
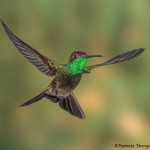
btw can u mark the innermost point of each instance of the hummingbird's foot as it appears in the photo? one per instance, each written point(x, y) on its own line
point(54, 99)
point(51, 97)
point(86, 71)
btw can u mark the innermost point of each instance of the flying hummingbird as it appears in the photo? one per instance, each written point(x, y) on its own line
point(66, 76)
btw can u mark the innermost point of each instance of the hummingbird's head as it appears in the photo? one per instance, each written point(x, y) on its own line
point(77, 54)
point(77, 62)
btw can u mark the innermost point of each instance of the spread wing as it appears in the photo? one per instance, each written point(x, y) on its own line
point(120, 58)
point(45, 65)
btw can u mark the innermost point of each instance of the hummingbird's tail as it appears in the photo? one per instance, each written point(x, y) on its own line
point(71, 105)
point(34, 99)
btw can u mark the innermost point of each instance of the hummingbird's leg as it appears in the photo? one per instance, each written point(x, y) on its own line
point(50, 96)
point(54, 99)
point(86, 70)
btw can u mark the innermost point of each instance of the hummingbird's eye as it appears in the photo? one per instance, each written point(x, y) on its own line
point(74, 56)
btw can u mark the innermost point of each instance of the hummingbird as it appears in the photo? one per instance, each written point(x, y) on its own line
point(66, 76)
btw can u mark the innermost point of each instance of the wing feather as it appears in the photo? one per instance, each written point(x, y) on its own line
point(45, 65)
point(118, 59)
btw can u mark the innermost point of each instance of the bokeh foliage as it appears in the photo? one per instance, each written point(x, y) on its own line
point(116, 99)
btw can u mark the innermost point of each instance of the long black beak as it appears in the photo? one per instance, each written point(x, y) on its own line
point(91, 56)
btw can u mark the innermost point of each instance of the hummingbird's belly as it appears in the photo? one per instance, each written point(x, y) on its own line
point(62, 85)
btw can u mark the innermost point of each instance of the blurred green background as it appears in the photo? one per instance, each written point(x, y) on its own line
point(115, 99)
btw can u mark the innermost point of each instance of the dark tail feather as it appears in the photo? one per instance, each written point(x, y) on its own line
point(71, 105)
point(34, 99)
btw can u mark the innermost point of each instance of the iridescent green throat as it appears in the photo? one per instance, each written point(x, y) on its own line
point(76, 66)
